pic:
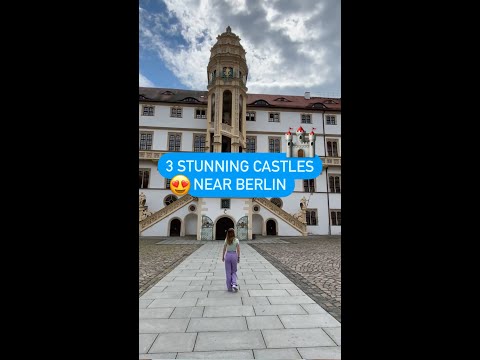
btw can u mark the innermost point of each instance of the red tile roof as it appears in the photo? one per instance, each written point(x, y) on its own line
point(293, 101)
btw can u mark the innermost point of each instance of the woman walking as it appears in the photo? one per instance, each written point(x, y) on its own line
point(232, 248)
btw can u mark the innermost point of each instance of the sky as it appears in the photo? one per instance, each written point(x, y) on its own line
point(292, 46)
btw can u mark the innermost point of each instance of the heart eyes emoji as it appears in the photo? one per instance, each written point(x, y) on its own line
point(180, 185)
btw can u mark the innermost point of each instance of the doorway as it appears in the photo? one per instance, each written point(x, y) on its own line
point(271, 227)
point(175, 226)
point(223, 224)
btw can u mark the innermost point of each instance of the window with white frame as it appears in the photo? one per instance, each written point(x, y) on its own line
point(176, 112)
point(225, 203)
point(199, 142)
point(146, 140)
point(336, 217)
point(312, 217)
point(274, 117)
point(143, 178)
point(148, 110)
point(334, 181)
point(306, 118)
point(332, 147)
point(251, 144)
point(331, 120)
point(309, 185)
point(174, 141)
point(200, 113)
point(274, 144)
point(250, 116)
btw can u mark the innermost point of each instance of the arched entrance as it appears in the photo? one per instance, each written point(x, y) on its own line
point(223, 224)
point(175, 226)
point(271, 227)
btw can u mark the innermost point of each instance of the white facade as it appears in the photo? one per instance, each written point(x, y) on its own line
point(171, 120)
point(161, 124)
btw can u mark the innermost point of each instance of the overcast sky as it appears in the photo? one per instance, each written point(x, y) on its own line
point(292, 46)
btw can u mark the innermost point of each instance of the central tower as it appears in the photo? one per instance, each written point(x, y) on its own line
point(227, 73)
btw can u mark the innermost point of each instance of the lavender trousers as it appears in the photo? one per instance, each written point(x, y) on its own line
point(231, 268)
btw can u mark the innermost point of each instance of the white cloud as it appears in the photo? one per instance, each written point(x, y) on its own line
point(144, 82)
point(291, 45)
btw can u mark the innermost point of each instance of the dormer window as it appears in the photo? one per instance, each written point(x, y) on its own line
point(261, 102)
point(282, 99)
point(168, 92)
point(190, 99)
point(318, 106)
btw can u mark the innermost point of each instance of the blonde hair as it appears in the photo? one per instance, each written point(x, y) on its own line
point(230, 236)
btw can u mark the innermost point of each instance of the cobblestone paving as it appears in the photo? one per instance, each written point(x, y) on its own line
point(156, 261)
point(313, 263)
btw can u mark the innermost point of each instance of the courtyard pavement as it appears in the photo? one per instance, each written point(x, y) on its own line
point(189, 314)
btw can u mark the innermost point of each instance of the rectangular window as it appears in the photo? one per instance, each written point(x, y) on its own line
point(336, 217)
point(251, 144)
point(331, 120)
point(167, 183)
point(176, 112)
point(200, 114)
point(225, 203)
point(174, 141)
point(199, 142)
point(250, 115)
point(274, 117)
point(312, 217)
point(309, 185)
point(274, 144)
point(332, 147)
point(143, 178)
point(148, 110)
point(334, 181)
point(146, 140)
point(306, 119)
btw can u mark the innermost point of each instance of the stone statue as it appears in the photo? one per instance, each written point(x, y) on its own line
point(303, 204)
point(301, 215)
point(142, 199)
point(144, 213)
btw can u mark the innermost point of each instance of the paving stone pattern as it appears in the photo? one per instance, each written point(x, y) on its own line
point(313, 264)
point(189, 314)
point(156, 261)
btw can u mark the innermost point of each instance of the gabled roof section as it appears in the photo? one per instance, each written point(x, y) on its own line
point(174, 95)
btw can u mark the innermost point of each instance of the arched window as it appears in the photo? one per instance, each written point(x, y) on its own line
point(277, 201)
point(169, 199)
point(212, 108)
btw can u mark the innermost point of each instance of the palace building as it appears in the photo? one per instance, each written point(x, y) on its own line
point(226, 118)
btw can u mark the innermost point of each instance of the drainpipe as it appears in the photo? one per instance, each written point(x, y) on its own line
point(326, 173)
point(328, 205)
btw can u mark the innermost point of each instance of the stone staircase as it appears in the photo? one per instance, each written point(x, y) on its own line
point(282, 214)
point(164, 212)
